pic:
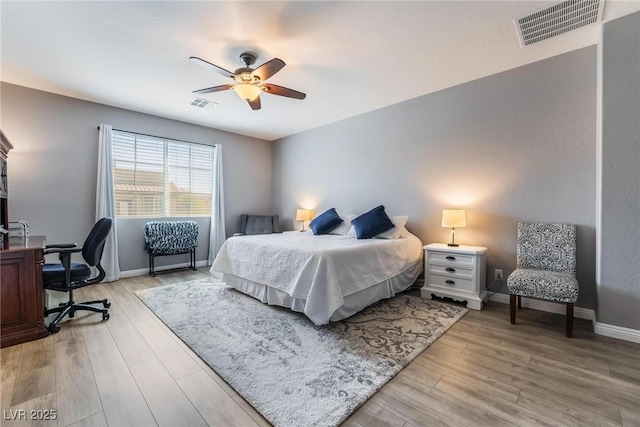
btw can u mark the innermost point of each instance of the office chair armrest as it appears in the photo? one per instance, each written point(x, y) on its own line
point(61, 245)
point(61, 251)
point(64, 252)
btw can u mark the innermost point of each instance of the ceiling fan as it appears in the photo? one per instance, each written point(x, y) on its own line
point(250, 82)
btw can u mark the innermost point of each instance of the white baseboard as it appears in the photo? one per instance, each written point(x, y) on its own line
point(604, 329)
point(145, 271)
point(548, 306)
point(619, 332)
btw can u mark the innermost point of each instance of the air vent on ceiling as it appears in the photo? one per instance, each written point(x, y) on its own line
point(558, 19)
point(204, 103)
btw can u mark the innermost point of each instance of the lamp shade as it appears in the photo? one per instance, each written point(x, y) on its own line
point(247, 91)
point(302, 215)
point(454, 218)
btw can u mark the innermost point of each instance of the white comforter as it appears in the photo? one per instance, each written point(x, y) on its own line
point(319, 269)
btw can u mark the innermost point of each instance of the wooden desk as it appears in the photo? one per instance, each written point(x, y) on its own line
point(21, 292)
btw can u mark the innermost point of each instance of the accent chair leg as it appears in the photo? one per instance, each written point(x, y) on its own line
point(569, 320)
point(519, 302)
point(512, 308)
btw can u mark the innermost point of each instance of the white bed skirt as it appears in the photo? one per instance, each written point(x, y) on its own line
point(353, 303)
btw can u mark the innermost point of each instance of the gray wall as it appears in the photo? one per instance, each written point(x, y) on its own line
point(52, 168)
point(515, 146)
point(619, 276)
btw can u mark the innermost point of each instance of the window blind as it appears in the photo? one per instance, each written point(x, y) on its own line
point(155, 177)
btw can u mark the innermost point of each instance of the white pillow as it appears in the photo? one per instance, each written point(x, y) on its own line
point(343, 228)
point(399, 221)
point(395, 233)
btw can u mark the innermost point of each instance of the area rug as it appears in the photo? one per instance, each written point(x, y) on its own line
point(294, 372)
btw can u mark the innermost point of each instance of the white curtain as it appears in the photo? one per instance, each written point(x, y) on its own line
point(106, 204)
point(217, 233)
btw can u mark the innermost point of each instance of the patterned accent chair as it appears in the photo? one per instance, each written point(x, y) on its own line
point(546, 267)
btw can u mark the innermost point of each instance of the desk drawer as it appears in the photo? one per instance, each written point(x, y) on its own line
point(450, 282)
point(451, 259)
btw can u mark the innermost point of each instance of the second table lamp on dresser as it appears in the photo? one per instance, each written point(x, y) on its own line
point(453, 218)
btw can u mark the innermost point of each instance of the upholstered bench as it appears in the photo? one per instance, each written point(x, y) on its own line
point(163, 238)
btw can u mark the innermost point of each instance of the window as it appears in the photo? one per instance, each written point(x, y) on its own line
point(155, 177)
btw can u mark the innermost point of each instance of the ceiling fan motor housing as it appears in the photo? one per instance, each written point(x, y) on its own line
point(244, 74)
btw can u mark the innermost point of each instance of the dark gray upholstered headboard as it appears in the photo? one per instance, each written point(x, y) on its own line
point(259, 224)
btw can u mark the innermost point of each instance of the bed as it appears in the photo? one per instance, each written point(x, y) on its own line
point(326, 277)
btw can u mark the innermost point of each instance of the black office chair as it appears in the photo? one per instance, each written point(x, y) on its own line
point(68, 276)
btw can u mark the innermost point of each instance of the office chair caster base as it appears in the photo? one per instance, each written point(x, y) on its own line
point(53, 328)
point(106, 304)
point(105, 316)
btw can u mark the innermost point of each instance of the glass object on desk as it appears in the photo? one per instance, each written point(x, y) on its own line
point(18, 233)
point(19, 229)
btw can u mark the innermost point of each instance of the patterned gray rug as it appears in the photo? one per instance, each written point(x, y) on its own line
point(294, 372)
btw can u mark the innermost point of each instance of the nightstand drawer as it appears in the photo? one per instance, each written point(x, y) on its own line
point(451, 258)
point(448, 282)
point(457, 271)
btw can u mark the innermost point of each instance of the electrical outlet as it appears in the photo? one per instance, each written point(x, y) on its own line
point(497, 274)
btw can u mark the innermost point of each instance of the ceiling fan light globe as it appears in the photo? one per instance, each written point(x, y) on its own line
point(247, 91)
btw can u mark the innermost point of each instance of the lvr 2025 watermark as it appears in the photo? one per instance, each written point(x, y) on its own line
point(29, 414)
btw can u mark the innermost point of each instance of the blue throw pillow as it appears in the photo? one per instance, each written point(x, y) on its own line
point(372, 223)
point(325, 222)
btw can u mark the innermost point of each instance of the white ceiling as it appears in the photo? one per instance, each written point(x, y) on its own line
point(348, 57)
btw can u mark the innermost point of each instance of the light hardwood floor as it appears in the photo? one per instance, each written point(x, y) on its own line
point(132, 371)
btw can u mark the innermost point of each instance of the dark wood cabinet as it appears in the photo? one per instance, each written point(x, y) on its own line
point(21, 291)
point(21, 258)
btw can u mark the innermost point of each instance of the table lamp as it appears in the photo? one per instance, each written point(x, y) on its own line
point(302, 215)
point(453, 218)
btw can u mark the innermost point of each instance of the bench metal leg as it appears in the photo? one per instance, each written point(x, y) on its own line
point(152, 267)
point(191, 266)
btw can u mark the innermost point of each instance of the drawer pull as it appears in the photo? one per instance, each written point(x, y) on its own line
point(451, 270)
point(452, 258)
point(450, 282)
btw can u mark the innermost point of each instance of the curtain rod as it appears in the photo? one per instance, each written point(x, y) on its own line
point(161, 137)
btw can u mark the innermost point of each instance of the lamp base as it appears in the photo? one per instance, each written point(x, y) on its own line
point(452, 239)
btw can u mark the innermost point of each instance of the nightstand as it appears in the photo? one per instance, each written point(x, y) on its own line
point(457, 272)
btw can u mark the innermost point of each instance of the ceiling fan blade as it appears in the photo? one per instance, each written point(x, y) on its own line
point(283, 91)
point(214, 89)
point(255, 104)
point(215, 68)
point(269, 68)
